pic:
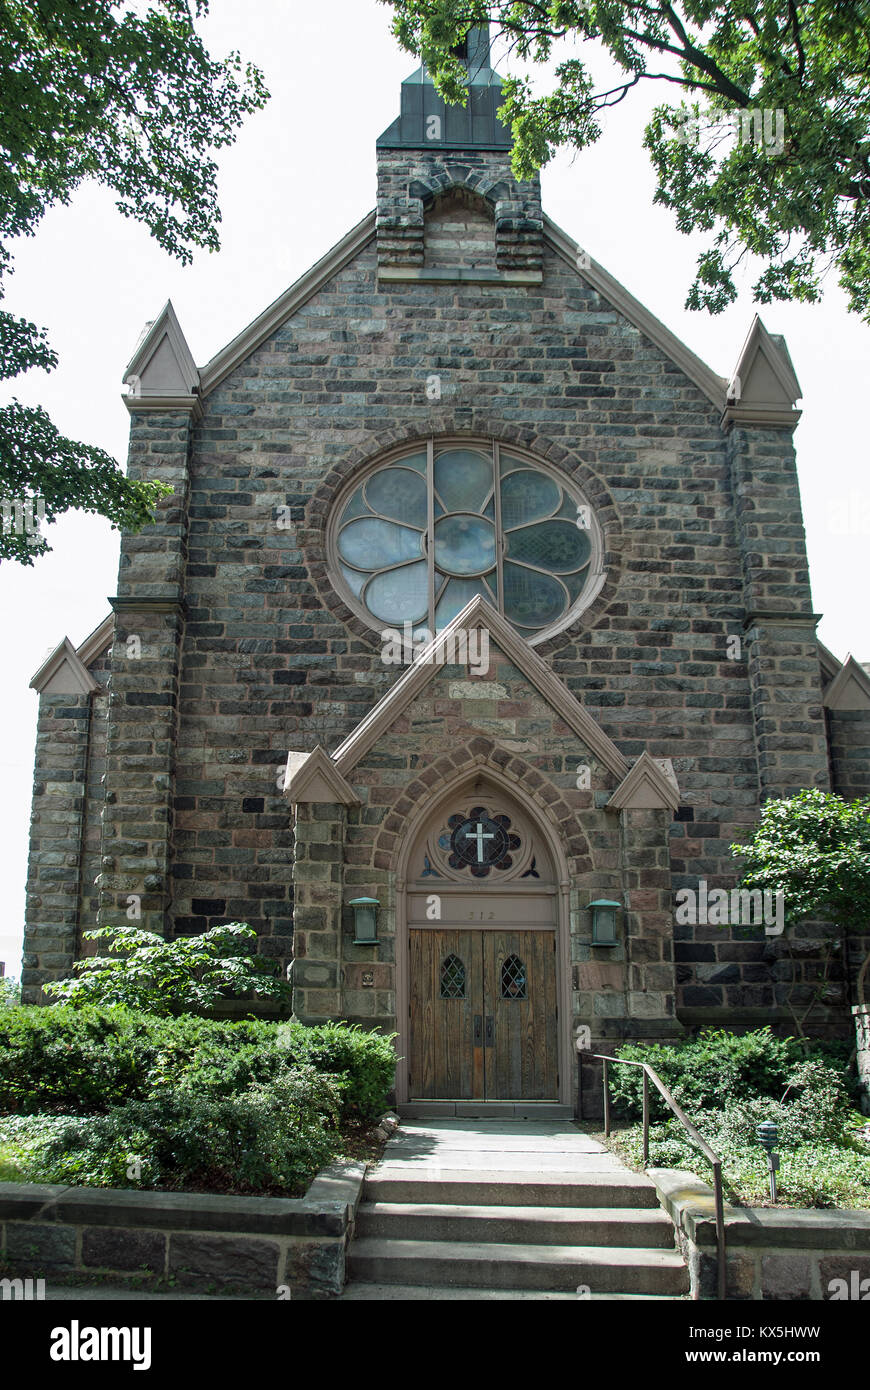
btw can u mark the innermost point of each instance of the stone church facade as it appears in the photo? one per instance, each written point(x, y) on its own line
point(456, 426)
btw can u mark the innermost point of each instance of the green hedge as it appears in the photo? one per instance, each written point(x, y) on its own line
point(715, 1069)
point(88, 1060)
point(267, 1138)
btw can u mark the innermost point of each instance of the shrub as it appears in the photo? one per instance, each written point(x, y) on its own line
point(88, 1059)
point(823, 1162)
point(365, 1061)
point(264, 1138)
point(189, 975)
point(10, 992)
point(73, 1059)
point(706, 1072)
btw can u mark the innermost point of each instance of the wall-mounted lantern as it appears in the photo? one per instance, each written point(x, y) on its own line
point(365, 921)
point(604, 912)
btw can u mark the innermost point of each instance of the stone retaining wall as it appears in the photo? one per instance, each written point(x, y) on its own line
point(243, 1244)
point(772, 1254)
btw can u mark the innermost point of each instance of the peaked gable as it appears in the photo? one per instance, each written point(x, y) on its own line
point(63, 673)
point(650, 785)
point(162, 365)
point(850, 688)
point(764, 387)
point(314, 778)
point(478, 616)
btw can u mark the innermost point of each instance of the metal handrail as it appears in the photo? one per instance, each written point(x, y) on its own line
point(710, 1154)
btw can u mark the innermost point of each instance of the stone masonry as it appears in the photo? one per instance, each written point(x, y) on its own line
point(700, 647)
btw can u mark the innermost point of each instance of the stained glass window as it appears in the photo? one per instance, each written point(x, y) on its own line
point(480, 842)
point(452, 978)
point(418, 538)
point(513, 979)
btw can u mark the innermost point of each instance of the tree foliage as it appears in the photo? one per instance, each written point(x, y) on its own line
point(766, 148)
point(189, 975)
point(814, 848)
point(99, 90)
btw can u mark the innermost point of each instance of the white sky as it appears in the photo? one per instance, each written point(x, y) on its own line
point(300, 175)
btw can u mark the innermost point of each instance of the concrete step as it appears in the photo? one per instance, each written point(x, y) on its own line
point(403, 1293)
point(604, 1269)
point(396, 1183)
point(620, 1226)
point(484, 1110)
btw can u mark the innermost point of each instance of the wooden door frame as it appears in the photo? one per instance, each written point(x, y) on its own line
point(562, 925)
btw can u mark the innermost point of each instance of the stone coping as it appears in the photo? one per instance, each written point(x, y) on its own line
point(690, 1204)
point(327, 1209)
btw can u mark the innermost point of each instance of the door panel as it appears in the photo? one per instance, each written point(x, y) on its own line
point(507, 981)
point(520, 997)
point(446, 996)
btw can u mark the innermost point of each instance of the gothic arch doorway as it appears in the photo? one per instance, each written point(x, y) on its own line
point(482, 961)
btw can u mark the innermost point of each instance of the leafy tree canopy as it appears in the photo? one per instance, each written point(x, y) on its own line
point(100, 90)
point(814, 848)
point(190, 975)
point(766, 147)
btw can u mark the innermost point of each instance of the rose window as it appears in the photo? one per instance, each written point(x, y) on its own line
point(421, 535)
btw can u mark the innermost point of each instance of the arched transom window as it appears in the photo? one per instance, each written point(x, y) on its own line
point(437, 523)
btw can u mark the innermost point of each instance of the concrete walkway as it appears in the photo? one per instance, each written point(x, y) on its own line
point(479, 1208)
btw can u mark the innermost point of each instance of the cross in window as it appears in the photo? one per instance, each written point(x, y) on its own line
point(479, 835)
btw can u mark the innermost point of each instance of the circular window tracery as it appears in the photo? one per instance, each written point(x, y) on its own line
point(432, 527)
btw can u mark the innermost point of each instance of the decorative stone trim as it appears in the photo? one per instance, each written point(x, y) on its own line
point(313, 777)
point(646, 787)
point(712, 386)
point(771, 1254)
point(764, 386)
point(410, 181)
point(480, 614)
point(244, 1243)
point(98, 642)
point(480, 753)
point(162, 365)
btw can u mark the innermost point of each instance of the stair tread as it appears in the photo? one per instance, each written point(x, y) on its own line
point(652, 1216)
point(381, 1247)
point(360, 1291)
point(405, 1170)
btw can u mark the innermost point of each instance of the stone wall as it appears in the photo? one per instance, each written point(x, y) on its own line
point(194, 1240)
point(771, 1255)
point(251, 651)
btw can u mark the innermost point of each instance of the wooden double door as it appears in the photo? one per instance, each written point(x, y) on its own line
point(483, 1014)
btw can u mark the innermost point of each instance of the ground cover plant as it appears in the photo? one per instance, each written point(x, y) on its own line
point(728, 1084)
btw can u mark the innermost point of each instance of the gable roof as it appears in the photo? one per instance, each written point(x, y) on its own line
point(281, 309)
point(764, 387)
point(94, 645)
point(162, 364)
point(850, 688)
point(713, 386)
point(63, 673)
point(478, 614)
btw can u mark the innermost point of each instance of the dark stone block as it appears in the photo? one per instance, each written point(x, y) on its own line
point(225, 1260)
point(109, 1247)
point(315, 1270)
point(40, 1246)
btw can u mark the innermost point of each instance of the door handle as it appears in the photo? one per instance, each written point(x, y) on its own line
point(490, 1030)
point(478, 1029)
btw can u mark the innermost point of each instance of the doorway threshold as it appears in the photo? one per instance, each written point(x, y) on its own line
point(485, 1109)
